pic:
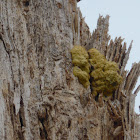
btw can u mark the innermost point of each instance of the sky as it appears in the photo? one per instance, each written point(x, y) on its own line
point(124, 21)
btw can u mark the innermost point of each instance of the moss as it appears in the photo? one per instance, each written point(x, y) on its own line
point(83, 76)
point(82, 67)
point(80, 58)
point(105, 74)
point(96, 59)
point(111, 66)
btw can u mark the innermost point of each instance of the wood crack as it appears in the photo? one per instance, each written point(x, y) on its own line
point(8, 53)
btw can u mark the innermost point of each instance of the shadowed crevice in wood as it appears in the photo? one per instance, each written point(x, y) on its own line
point(22, 113)
point(43, 120)
point(26, 3)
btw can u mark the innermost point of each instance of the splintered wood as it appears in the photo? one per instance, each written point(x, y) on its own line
point(40, 98)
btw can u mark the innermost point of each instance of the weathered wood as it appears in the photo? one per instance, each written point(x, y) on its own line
point(39, 96)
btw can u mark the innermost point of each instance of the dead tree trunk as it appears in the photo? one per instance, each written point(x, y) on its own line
point(39, 96)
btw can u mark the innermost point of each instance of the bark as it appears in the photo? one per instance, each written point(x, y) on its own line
point(39, 96)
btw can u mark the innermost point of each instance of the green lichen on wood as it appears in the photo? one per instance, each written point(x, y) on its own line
point(81, 65)
point(83, 76)
point(105, 74)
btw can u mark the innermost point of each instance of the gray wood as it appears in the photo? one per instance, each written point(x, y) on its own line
point(39, 96)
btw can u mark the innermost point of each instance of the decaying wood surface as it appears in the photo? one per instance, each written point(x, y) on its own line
point(39, 96)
